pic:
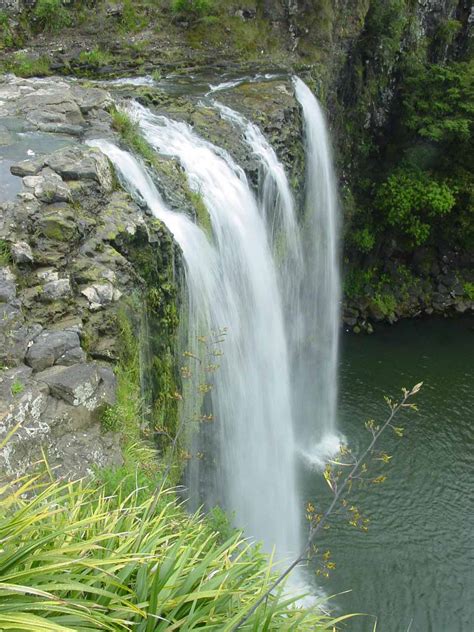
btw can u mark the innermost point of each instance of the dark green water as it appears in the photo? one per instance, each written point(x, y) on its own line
point(413, 570)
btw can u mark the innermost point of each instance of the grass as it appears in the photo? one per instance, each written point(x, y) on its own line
point(95, 57)
point(5, 253)
point(17, 388)
point(22, 65)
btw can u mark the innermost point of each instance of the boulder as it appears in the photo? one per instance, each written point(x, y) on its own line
point(79, 163)
point(74, 384)
point(51, 347)
point(21, 252)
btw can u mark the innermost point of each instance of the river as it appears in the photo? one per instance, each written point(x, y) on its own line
point(413, 568)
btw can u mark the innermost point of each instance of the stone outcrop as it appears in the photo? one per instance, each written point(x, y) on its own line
point(64, 276)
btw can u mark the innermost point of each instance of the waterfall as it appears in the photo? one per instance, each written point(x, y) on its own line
point(233, 284)
point(316, 371)
point(273, 286)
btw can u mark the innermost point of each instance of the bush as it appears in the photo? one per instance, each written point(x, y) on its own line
point(77, 557)
point(410, 200)
point(364, 239)
point(193, 8)
point(51, 16)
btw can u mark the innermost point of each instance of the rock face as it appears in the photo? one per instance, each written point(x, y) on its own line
point(63, 282)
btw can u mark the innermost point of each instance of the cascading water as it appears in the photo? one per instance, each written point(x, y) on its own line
point(316, 371)
point(257, 270)
point(278, 209)
point(234, 285)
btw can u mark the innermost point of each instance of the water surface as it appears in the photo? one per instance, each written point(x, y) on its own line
point(413, 569)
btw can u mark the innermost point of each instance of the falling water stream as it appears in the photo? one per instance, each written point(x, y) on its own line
point(272, 283)
point(316, 372)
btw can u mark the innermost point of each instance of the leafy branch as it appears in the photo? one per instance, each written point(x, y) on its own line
point(338, 491)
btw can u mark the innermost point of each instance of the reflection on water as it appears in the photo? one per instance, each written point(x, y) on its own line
point(414, 567)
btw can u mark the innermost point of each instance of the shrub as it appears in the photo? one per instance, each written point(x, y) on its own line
point(410, 200)
point(193, 8)
point(364, 239)
point(77, 557)
point(51, 15)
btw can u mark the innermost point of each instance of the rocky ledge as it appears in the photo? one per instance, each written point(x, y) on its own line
point(65, 272)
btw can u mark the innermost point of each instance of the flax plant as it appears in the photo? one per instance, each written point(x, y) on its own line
point(73, 558)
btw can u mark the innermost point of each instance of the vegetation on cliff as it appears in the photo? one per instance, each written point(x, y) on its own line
point(77, 556)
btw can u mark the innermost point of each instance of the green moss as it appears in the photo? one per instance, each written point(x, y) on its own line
point(469, 290)
point(202, 214)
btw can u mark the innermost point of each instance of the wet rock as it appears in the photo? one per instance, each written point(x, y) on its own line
point(27, 167)
point(52, 347)
point(21, 252)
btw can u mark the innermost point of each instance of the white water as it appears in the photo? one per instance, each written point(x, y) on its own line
point(273, 376)
point(277, 206)
point(316, 373)
point(233, 284)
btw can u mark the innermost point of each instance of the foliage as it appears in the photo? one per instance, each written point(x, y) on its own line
point(51, 15)
point(22, 65)
point(364, 239)
point(95, 57)
point(192, 8)
point(438, 103)
point(384, 25)
point(469, 290)
point(75, 557)
point(219, 521)
point(5, 253)
point(410, 200)
point(130, 19)
point(385, 302)
point(7, 39)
